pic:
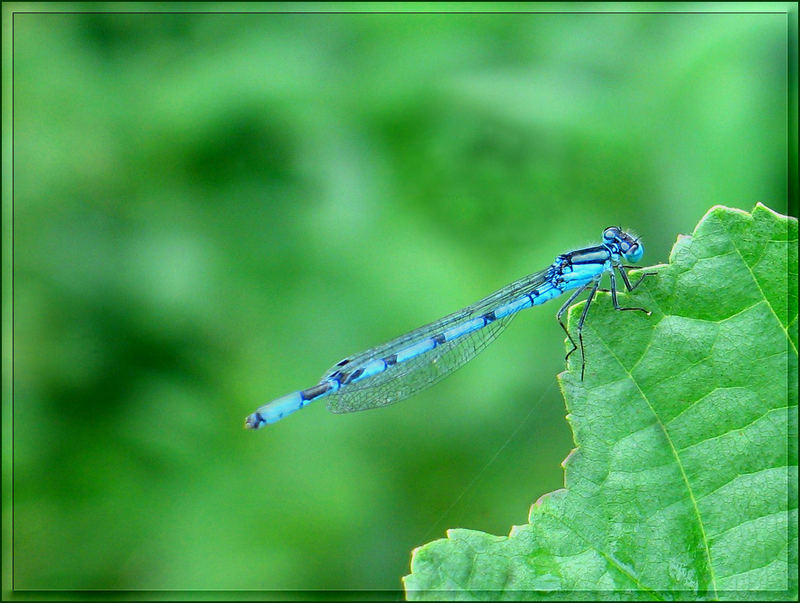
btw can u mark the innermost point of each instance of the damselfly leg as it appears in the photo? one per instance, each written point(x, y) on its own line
point(613, 292)
point(560, 313)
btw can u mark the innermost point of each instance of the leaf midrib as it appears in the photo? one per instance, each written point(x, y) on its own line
point(679, 463)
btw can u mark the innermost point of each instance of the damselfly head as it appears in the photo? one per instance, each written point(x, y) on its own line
point(628, 245)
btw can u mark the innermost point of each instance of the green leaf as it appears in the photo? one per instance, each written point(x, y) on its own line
point(683, 482)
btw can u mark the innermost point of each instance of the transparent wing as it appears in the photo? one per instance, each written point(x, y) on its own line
point(403, 380)
point(406, 378)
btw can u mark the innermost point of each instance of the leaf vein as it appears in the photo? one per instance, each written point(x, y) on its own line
point(763, 294)
point(733, 430)
point(781, 513)
point(607, 556)
point(679, 463)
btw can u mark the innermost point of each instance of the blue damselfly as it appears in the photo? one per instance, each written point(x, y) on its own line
point(402, 367)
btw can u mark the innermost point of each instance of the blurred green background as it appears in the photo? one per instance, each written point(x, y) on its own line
point(211, 209)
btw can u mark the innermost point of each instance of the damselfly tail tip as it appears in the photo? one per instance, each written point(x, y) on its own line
point(254, 421)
